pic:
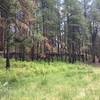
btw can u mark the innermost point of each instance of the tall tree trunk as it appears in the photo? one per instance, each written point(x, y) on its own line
point(94, 35)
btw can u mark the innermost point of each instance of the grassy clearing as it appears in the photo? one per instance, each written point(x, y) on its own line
point(54, 81)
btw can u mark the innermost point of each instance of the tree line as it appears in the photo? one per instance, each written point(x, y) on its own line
point(67, 30)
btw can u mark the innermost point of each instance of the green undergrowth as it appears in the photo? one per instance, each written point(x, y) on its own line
point(49, 81)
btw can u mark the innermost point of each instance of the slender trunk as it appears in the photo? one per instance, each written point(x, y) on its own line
point(94, 35)
point(37, 50)
point(65, 39)
point(73, 54)
point(23, 53)
point(93, 53)
point(32, 53)
point(15, 53)
point(7, 57)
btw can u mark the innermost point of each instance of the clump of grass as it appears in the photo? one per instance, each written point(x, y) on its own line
point(44, 81)
point(12, 78)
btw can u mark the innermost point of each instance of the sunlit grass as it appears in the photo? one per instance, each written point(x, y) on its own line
point(53, 81)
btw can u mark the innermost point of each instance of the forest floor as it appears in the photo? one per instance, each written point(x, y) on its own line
point(53, 81)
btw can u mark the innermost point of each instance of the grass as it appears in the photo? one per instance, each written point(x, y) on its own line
point(54, 81)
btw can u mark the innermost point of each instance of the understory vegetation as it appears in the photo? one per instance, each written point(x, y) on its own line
point(53, 81)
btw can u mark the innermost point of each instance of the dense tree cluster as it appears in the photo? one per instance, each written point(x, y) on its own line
point(68, 30)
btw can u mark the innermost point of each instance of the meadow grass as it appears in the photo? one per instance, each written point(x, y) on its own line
point(53, 81)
